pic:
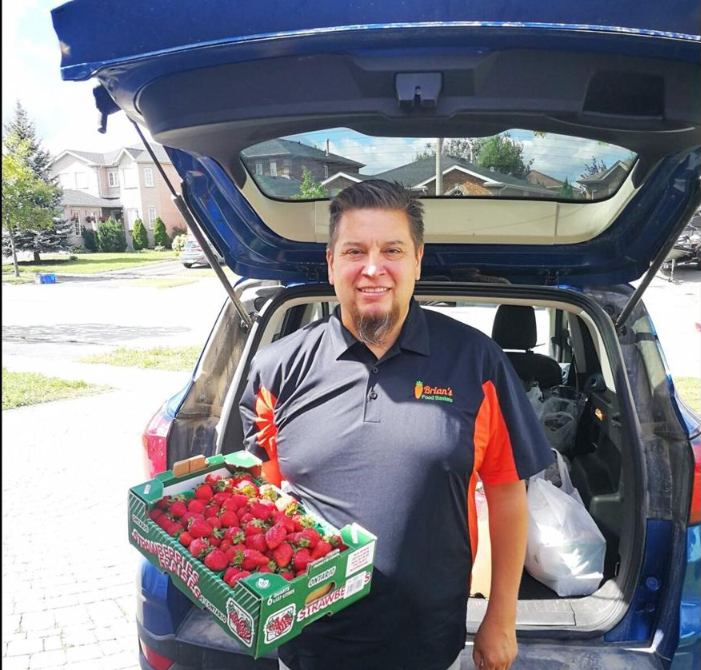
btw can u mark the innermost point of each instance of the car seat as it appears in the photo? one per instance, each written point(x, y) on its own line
point(515, 329)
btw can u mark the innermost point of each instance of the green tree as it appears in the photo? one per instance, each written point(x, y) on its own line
point(566, 191)
point(111, 237)
point(504, 154)
point(310, 189)
point(139, 236)
point(160, 236)
point(20, 132)
point(464, 148)
point(595, 167)
point(26, 199)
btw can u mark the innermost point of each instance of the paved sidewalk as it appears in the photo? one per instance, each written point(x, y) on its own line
point(68, 570)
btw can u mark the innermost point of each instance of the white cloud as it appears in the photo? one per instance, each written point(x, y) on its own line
point(378, 154)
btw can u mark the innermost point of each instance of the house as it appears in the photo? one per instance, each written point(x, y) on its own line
point(124, 184)
point(289, 159)
point(460, 178)
point(607, 182)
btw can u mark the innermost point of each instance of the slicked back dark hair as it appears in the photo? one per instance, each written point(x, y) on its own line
point(377, 194)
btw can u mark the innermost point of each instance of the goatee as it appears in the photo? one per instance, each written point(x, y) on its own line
point(373, 329)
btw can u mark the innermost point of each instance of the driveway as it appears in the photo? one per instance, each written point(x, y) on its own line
point(68, 569)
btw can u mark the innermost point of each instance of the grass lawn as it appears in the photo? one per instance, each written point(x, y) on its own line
point(163, 282)
point(26, 388)
point(208, 272)
point(689, 388)
point(160, 358)
point(89, 263)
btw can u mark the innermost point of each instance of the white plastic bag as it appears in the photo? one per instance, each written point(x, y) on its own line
point(560, 411)
point(565, 549)
point(535, 397)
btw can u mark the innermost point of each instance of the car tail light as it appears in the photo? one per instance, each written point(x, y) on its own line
point(156, 660)
point(695, 508)
point(155, 441)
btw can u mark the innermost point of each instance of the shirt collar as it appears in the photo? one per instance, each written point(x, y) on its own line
point(413, 336)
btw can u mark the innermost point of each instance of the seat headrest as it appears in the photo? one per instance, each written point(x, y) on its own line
point(514, 327)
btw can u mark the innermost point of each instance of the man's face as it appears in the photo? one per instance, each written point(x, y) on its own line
point(373, 268)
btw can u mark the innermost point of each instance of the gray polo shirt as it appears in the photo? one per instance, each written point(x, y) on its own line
point(395, 445)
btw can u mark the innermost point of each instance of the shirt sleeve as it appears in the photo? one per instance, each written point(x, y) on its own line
point(257, 409)
point(510, 444)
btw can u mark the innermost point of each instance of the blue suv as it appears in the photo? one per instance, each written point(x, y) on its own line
point(557, 151)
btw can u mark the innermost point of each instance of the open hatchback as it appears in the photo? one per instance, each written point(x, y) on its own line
point(557, 153)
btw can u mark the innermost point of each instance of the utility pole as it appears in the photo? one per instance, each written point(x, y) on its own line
point(439, 167)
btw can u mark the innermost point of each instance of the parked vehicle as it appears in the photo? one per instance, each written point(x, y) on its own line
point(192, 254)
point(687, 250)
point(262, 91)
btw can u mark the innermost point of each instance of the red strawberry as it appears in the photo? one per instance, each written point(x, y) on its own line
point(283, 554)
point(164, 521)
point(281, 517)
point(301, 559)
point(255, 527)
point(196, 506)
point(235, 502)
point(199, 528)
point(214, 521)
point(155, 513)
point(230, 572)
point(337, 542)
point(178, 509)
point(211, 510)
point(185, 539)
point(302, 521)
point(224, 485)
point(275, 535)
point(225, 544)
point(235, 554)
point(266, 568)
point(321, 549)
point(204, 492)
point(247, 488)
point(312, 536)
point(253, 559)
point(163, 503)
point(216, 560)
point(235, 534)
point(229, 519)
point(245, 517)
point(261, 510)
point(219, 498)
point(288, 575)
point(198, 547)
point(190, 515)
point(212, 478)
point(234, 577)
point(256, 542)
point(175, 529)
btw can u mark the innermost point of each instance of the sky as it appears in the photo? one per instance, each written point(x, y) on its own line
point(65, 116)
point(63, 113)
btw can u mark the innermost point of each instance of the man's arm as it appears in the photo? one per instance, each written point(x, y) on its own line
point(495, 643)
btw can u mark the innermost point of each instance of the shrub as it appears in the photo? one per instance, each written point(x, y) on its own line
point(177, 230)
point(89, 238)
point(79, 250)
point(110, 236)
point(179, 243)
point(139, 236)
point(160, 236)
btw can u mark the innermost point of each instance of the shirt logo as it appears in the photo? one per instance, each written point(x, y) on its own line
point(427, 392)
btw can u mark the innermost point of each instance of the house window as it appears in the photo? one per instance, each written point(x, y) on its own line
point(81, 180)
point(326, 171)
point(66, 180)
point(113, 179)
point(151, 217)
point(75, 218)
point(259, 168)
point(132, 216)
point(273, 169)
point(148, 176)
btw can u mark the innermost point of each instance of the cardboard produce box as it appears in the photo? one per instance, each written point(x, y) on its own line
point(262, 610)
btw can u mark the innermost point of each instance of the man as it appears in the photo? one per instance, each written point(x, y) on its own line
point(340, 410)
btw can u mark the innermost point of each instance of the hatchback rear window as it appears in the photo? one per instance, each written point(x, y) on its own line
point(512, 164)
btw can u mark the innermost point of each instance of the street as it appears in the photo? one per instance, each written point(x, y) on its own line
point(68, 569)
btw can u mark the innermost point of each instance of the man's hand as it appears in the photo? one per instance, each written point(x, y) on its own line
point(495, 642)
point(495, 645)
